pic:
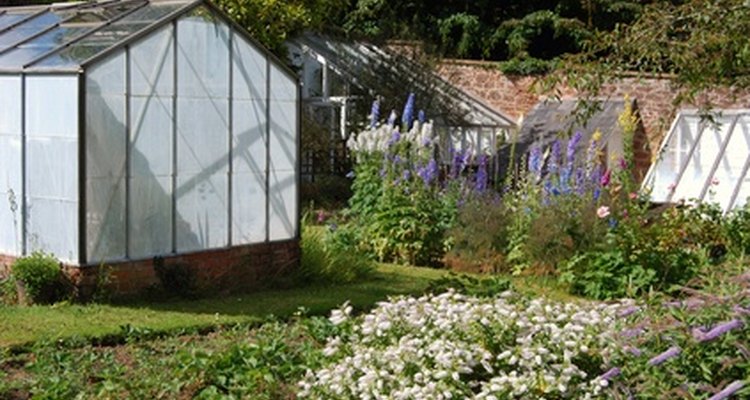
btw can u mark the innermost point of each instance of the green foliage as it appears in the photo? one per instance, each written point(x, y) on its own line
point(272, 22)
point(41, 277)
point(480, 236)
point(332, 257)
point(469, 285)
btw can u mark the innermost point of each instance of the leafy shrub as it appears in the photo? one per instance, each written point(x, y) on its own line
point(41, 277)
point(332, 257)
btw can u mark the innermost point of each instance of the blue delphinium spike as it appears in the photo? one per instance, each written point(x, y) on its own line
point(374, 113)
point(408, 116)
point(392, 118)
point(421, 117)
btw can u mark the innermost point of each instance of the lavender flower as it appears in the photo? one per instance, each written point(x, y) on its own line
point(408, 116)
point(421, 117)
point(374, 114)
point(392, 118)
point(731, 389)
point(633, 350)
point(610, 374)
point(672, 352)
point(628, 311)
point(717, 331)
point(631, 332)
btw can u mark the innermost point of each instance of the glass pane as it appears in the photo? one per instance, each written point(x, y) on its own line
point(706, 150)
point(7, 20)
point(249, 71)
point(52, 115)
point(727, 175)
point(249, 136)
point(52, 165)
point(28, 28)
point(152, 65)
point(10, 165)
point(71, 56)
point(106, 141)
point(150, 216)
point(32, 49)
point(283, 113)
point(201, 211)
point(283, 203)
point(667, 166)
point(151, 176)
point(202, 55)
point(248, 208)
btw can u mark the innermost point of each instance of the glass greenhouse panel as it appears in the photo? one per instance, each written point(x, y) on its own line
point(730, 165)
point(106, 148)
point(249, 136)
point(202, 55)
point(704, 159)
point(248, 208)
point(28, 28)
point(151, 166)
point(283, 204)
point(10, 165)
point(248, 71)
point(202, 167)
point(52, 165)
point(152, 65)
point(201, 211)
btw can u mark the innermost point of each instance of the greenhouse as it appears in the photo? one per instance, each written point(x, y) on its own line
point(704, 157)
point(138, 129)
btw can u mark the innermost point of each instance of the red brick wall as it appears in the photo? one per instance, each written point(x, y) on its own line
point(515, 96)
point(235, 268)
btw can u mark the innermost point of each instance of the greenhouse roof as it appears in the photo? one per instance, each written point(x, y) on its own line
point(704, 157)
point(66, 37)
point(380, 71)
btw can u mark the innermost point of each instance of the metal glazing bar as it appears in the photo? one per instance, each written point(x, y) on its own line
point(719, 156)
point(128, 150)
point(84, 35)
point(174, 136)
point(230, 132)
point(82, 184)
point(268, 149)
point(683, 167)
point(25, 19)
point(24, 190)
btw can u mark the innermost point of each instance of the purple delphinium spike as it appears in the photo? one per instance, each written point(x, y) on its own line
point(535, 162)
point(554, 162)
point(480, 183)
point(610, 374)
point(429, 173)
point(673, 351)
point(458, 164)
point(374, 113)
point(580, 180)
point(421, 117)
point(570, 153)
point(717, 331)
point(408, 115)
point(392, 118)
point(731, 389)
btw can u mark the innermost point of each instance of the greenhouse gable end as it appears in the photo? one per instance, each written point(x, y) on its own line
point(143, 131)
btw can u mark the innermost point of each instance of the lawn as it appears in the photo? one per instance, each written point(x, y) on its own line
point(23, 325)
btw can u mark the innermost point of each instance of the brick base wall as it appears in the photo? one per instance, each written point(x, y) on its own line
point(232, 269)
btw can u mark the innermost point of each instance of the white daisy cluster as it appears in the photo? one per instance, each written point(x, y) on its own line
point(455, 346)
point(379, 138)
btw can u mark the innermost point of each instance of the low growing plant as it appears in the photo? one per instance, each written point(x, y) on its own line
point(41, 278)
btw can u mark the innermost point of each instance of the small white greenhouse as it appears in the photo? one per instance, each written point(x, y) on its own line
point(137, 129)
